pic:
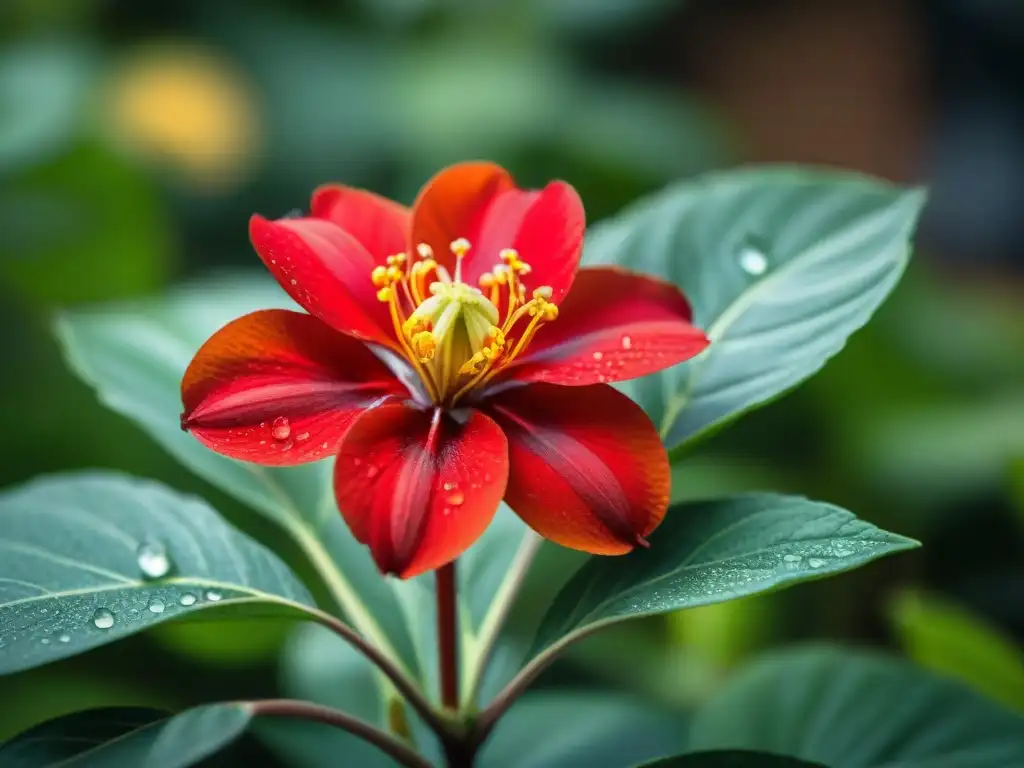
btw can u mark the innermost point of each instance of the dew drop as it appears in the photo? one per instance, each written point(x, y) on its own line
point(187, 599)
point(156, 605)
point(449, 486)
point(103, 619)
point(753, 260)
point(627, 342)
point(372, 472)
point(446, 511)
point(152, 559)
point(487, 477)
point(455, 498)
point(287, 446)
point(293, 281)
point(792, 558)
point(281, 429)
point(302, 436)
point(814, 562)
point(65, 638)
point(324, 446)
point(45, 641)
point(214, 596)
point(598, 355)
point(357, 461)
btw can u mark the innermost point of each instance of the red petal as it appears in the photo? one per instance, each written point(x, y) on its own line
point(278, 387)
point(479, 201)
point(614, 325)
point(587, 469)
point(380, 225)
point(419, 487)
point(327, 272)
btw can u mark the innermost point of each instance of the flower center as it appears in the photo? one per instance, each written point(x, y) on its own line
point(453, 333)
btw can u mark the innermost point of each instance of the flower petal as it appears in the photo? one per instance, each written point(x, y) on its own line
point(380, 225)
point(327, 272)
point(279, 387)
point(479, 202)
point(587, 469)
point(614, 325)
point(419, 487)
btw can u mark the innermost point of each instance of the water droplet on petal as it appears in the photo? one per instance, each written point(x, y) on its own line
point(627, 342)
point(356, 461)
point(156, 605)
point(753, 261)
point(450, 486)
point(487, 477)
point(288, 446)
point(302, 436)
point(598, 355)
point(372, 471)
point(152, 559)
point(324, 446)
point(214, 596)
point(187, 599)
point(103, 619)
point(281, 429)
point(455, 498)
point(294, 281)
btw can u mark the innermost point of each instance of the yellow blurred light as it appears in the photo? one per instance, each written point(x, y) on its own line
point(186, 107)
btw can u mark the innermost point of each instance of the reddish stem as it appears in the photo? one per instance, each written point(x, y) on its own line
point(448, 636)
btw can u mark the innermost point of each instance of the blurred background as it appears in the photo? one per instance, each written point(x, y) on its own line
point(137, 138)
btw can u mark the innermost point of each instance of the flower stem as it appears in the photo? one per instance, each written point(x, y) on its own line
point(448, 635)
point(304, 710)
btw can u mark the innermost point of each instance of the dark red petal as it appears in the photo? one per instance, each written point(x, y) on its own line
point(587, 469)
point(380, 225)
point(452, 205)
point(327, 272)
point(419, 487)
point(614, 325)
point(545, 227)
point(279, 387)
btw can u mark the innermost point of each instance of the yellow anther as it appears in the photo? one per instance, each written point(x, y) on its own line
point(523, 268)
point(496, 335)
point(460, 247)
point(400, 258)
point(549, 312)
point(544, 292)
point(425, 251)
point(422, 267)
point(379, 276)
point(385, 294)
point(486, 280)
point(472, 366)
point(394, 273)
point(424, 345)
point(509, 255)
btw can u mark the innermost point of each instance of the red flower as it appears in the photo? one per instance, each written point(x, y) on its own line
point(447, 363)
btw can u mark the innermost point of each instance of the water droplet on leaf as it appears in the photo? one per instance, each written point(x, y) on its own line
point(214, 596)
point(753, 260)
point(153, 560)
point(187, 599)
point(156, 605)
point(103, 619)
point(815, 562)
point(65, 638)
point(792, 558)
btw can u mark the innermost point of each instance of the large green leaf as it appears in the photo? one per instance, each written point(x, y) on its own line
point(952, 641)
point(731, 758)
point(549, 730)
point(781, 266)
point(710, 551)
point(129, 737)
point(135, 354)
point(89, 558)
point(858, 710)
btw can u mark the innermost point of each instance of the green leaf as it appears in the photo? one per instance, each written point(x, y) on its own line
point(780, 265)
point(89, 558)
point(952, 641)
point(549, 730)
point(851, 709)
point(134, 355)
point(130, 737)
point(710, 551)
point(732, 758)
point(318, 666)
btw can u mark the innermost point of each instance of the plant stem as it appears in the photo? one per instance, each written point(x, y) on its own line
point(304, 710)
point(448, 635)
point(398, 678)
point(497, 614)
